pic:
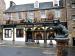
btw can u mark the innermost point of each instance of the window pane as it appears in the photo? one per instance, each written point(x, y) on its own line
point(73, 5)
point(73, 1)
point(18, 15)
point(30, 15)
point(73, 17)
point(19, 32)
point(7, 33)
point(57, 13)
point(8, 16)
point(43, 14)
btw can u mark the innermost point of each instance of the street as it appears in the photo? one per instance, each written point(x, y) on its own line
point(22, 51)
point(71, 51)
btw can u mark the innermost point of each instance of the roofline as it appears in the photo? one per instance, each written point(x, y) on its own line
point(33, 3)
point(38, 9)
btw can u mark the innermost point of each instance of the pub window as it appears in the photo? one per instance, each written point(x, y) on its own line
point(19, 32)
point(8, 33)
point(39, 36)
point(43, 14)
point(73, 28)
point(57, 13)
point(25, 16)
point(30, 16)
point(73, 1)
point(73, 17)
point(9, 16)
point(51, 36)
point(18, 15)
point(73, 5)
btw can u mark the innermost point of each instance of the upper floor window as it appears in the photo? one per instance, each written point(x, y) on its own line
point(73, 17)
point(73, 5)
point(19, 15)
point(42, 14)
point(30, 15)
point(50, 15)
point(9, 16)
point(73, 1)
point(57, 13)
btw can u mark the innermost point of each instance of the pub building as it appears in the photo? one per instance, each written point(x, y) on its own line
point(32, 22)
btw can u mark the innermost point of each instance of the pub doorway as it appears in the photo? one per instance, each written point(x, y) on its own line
point(29, 35)
point(50, 37)
point(39, 38)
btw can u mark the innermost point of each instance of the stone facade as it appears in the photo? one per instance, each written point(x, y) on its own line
point(56, 11)
point(70, 10)
point(2, 9)
point(44, 14)
point(36, 17)
point(64, 14)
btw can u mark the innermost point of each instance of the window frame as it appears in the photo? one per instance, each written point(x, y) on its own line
point(73, 5)
point(43, 13)
point(57, 13)
point(20, 34)
point(18, 14)
point(30, 15)
point(73, 17)
point(9, 15)
point(73, 1)
point(7, 33)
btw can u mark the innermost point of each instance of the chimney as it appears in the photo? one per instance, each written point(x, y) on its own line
point(12, 3)
point(36, 4)
point(55, 3)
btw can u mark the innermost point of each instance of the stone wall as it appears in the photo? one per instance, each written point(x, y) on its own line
point(2, 9)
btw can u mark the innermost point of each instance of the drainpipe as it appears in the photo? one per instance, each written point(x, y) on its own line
point(13, 34)
point(66, 11)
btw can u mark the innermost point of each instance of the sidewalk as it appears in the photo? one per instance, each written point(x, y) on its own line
point(22, 44)
point(50, 51)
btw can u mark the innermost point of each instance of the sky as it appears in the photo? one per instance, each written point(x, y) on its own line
point(7, 2)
